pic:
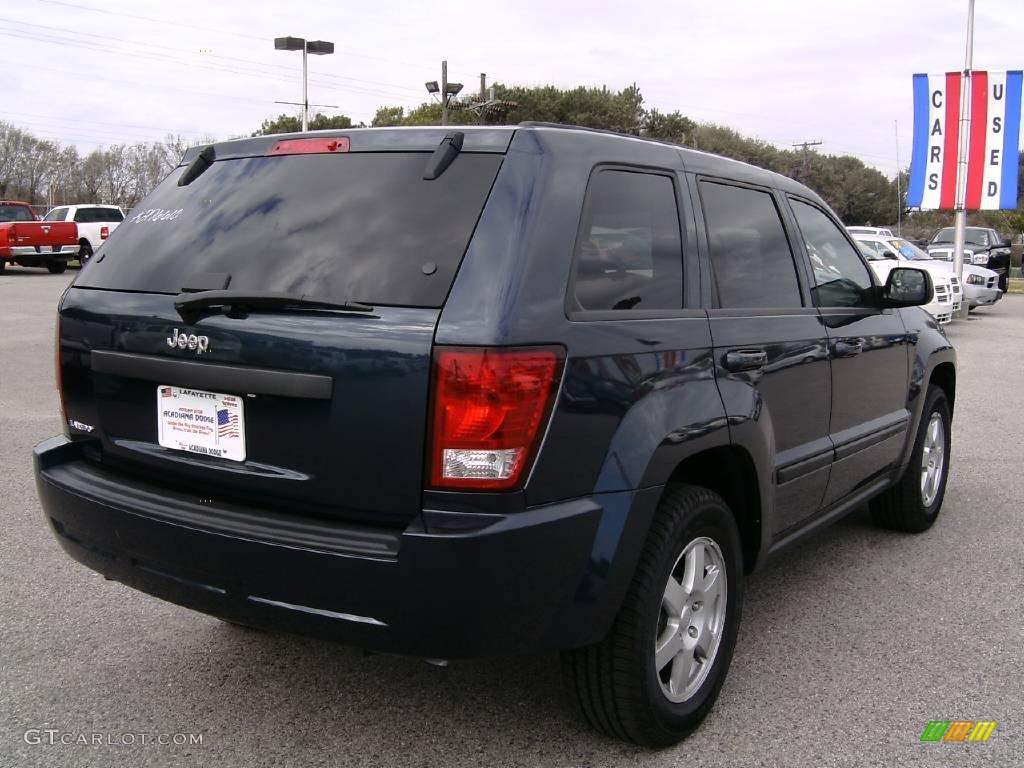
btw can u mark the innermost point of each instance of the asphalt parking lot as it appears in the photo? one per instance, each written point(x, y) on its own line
point(849, 646)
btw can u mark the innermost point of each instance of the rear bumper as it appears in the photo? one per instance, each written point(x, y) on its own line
point(28, 253)
point(451, 585)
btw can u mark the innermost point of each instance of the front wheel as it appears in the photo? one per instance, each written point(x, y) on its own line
point(913, 504)
point(656, 675)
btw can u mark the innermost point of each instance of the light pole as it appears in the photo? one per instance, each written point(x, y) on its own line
point(446, 89)
point(315, 47)
point(961, 178)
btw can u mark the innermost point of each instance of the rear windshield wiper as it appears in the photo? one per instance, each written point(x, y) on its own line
point(444, 155)
point(191, 305)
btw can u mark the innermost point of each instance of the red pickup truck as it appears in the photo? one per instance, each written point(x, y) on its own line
point(31, 243)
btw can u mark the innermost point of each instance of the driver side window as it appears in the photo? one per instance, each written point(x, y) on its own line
point(839, 274)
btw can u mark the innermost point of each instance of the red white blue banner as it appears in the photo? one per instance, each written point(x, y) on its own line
point(994, 111)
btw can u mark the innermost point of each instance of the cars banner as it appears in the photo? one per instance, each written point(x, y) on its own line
point(992, 121)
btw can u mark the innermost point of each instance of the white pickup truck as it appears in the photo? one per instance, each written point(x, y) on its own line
point(95, 224)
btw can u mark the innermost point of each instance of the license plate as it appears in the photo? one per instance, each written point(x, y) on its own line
point(201, 422)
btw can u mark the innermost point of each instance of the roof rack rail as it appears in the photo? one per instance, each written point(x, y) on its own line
point(571, 127)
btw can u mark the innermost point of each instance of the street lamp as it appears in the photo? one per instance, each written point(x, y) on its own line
point(446, 90)
point(315, 47)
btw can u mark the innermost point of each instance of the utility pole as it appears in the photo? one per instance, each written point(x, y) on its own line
point(961, 170)
point(444, 92)
point(483, 96)
point(899, 191)
point(806, 146)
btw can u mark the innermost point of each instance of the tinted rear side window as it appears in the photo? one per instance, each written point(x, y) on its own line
point(360, 226)
point(750, 256)
point(629, 252)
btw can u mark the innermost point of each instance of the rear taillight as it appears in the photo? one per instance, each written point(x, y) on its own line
point(59, 376)
point(490, 408)
point(12, 238)
point(104, 233)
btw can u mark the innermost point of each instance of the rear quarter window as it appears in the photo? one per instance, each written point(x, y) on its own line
point(629, 249)
point(348, 227)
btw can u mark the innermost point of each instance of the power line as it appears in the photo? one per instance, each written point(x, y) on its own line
point(90, 39)
point(208, 30)
point(64, 42)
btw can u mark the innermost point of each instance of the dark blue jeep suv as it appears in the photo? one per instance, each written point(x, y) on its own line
point(456, 393)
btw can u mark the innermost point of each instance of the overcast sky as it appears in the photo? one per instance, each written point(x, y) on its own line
point(96, 72)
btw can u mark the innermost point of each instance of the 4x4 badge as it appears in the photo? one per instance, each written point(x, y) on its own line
point(188, 341)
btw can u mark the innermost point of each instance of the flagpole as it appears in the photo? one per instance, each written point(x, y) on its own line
point(961, 175)
point(899, 191)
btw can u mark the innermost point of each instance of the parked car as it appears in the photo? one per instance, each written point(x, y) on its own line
point(869, 231)
point(95, 225)
point(980, 285)
point(459, 392)
point(983, 247)
point(944, 304)
point(28, 242)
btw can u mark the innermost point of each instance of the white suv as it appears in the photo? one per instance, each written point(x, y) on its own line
point(95, 224)
point(943, 305)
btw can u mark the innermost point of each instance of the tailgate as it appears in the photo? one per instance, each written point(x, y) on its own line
point(44, 233)
point(333, 402)
point(333, 405)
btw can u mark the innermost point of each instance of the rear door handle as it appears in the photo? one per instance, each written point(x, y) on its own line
point(739, 360)
point(847, 348)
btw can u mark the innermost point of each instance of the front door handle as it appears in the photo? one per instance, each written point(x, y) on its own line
point(739, 360)
point(847, 348)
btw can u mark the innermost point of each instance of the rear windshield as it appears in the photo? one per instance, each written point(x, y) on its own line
point(352, 227)
point(97, 215)
point(15, 213)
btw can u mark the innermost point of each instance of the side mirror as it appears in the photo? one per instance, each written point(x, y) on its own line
point(907, 287)
point(1007, 243)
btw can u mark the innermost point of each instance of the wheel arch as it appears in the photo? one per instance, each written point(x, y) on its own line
point(943, 376)
point(729, 471)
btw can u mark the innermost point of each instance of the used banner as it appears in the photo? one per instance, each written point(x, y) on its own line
point(994, 110)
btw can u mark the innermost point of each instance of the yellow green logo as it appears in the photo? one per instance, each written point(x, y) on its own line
point(958, 730)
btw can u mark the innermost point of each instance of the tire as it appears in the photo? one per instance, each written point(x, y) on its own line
point(615, 682)
point(3, 265)
point(56, 267)
point(84, 252)
point(910, 505)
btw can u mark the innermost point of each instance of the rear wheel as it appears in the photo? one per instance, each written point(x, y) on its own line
point(656, 675)
point(56, 267)
point(84, 252)
point(913, 504)
point(3, 265)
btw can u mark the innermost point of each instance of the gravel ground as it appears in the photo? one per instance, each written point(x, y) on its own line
point(850, 644)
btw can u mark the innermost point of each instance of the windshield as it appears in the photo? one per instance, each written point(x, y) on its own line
point(869, 253)
point(348, 227)
point(15, 213)
point(910, 251)
point(972, 235)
